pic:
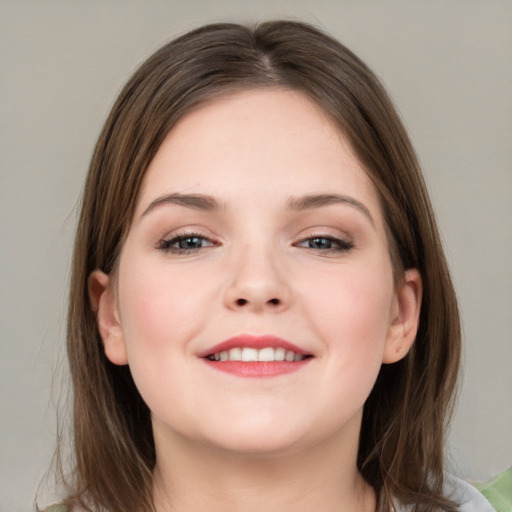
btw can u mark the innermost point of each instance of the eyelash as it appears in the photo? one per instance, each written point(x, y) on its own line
point(167, 245)
point(338, 245)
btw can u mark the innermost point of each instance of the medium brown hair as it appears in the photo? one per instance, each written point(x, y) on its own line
point(402, 437)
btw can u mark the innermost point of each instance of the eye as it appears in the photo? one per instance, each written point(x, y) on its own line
point(326, 244)
point(185, 243)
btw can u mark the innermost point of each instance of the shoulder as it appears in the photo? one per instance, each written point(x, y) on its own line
point(63, 508)
point(466, 495)
point(57, 508)
point(499, 491)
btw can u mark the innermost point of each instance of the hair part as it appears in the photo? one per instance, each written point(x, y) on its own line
point(402, 436)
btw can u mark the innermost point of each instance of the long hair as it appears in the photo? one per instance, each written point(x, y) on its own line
point(402, 437)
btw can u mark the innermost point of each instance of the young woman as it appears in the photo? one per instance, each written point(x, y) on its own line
point(261, 316)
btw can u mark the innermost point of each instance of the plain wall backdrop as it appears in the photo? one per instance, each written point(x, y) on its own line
point(447, 65)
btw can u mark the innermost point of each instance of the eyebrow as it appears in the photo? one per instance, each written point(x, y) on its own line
point(194, 201)
point(311, 201)
point(209, 203)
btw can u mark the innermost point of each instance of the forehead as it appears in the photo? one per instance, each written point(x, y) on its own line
point(264, 141)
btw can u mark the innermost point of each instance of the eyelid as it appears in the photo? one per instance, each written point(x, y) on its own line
point(343, 244)
point(188, 230)
point(165, 243)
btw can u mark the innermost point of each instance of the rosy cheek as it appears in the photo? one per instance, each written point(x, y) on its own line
point(160, 308)
point(352, 308)
point(143, 313)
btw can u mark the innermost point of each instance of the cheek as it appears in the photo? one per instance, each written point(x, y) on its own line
point(147, 315)
point(159, 307)
point(351, 310)
point(159, 312)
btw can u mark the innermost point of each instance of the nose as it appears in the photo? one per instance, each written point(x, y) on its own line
point(257, 282)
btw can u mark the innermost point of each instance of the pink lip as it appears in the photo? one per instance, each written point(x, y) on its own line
point(255, 369)
point(249, 341)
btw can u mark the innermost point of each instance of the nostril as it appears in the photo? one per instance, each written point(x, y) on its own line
point(243, 302)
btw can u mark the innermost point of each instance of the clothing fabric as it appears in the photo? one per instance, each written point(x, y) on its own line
point(498, 491)
point(459, 491)
point(470, 499)
point(456, 489)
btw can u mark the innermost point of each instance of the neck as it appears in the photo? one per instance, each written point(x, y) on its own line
point(320, 478)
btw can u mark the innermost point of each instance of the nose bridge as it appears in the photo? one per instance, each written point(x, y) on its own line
point(256, 279)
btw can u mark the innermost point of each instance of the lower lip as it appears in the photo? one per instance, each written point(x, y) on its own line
point(258, 369)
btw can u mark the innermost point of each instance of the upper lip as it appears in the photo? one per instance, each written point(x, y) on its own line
point(253, 341)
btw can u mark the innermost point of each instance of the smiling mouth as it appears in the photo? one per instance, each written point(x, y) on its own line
point(254, 355)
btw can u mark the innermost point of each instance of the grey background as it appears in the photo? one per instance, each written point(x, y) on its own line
point(448, 66)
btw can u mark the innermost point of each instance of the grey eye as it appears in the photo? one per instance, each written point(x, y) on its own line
point(191, 242)
point(319, 243)
point(326, 244)
point(187, 243)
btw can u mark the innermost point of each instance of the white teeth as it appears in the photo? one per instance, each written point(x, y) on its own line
point(249, 354)
point(289, 356)
point(279, 354)
point(235, 354)
point(266, 354)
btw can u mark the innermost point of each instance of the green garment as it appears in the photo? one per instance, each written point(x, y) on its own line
point(498, 491)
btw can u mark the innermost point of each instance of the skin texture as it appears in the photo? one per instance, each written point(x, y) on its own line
point(257, 267)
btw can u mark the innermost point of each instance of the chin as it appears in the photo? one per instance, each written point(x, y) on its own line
point(260, 446)
point(256, 437)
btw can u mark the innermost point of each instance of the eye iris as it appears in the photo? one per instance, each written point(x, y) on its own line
point(321, 243)
point(190, 242)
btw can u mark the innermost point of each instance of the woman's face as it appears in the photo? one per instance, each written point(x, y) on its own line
point(257, 234)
